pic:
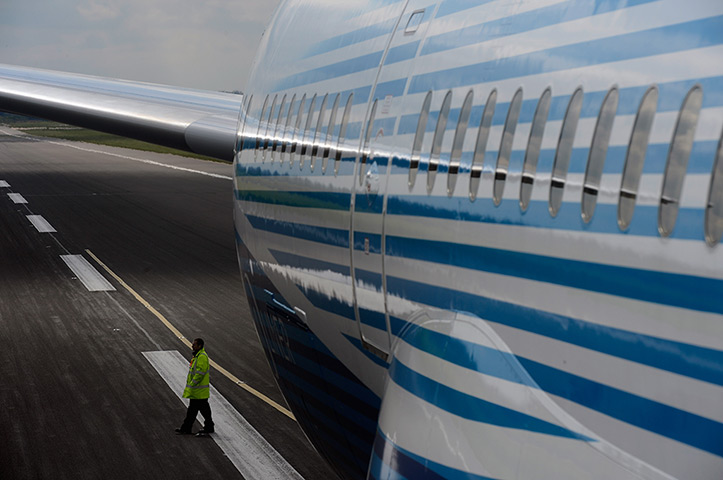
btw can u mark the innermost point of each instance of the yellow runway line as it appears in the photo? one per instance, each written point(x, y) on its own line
point(186, 342)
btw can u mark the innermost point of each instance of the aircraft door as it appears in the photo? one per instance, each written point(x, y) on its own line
point(373, 167)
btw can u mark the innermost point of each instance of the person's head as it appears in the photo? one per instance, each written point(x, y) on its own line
point(197, 345)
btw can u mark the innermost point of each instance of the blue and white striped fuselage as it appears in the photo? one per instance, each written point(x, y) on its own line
point(479, 239)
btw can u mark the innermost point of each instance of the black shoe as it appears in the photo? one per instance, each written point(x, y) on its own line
point(180, 431)
point(204, 431)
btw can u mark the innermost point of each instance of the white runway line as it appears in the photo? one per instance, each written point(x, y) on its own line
point(149, 162)
point(86, 273)
point(250, 453)
point(4, 184)
point(41, 224)
point(17, 198)
point(126, 157)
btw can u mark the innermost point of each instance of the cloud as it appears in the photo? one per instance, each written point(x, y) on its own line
point(208, 45)
point(98, 10)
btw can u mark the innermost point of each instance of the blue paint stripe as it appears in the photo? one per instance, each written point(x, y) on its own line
point(472, 356)
point(387, 125)
point(683, 291)
point(677, 357)
point(679, 425)
point(369, 203)
point(322, 200)
point(628, 46)
point(647, 414)
point(329, 72)
point(689, 225)
point(700, 161)
point(676, 290)
point(524, 22)
point(373, 319)
point(371, 4)
point(662, 419)
point(668, 39)
point(671, 94)
point(404, 462)
point(470, 407)
point(375, 242)
point(327, 236)
point(449, 7)
point(670, 98)
point(395, 88)
point(361, 95)
point(401, 53)
point(397, 324)
point(353, 130)
point(656, 157)
point(351, 38)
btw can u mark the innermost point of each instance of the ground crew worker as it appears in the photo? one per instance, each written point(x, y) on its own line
point(197, 390)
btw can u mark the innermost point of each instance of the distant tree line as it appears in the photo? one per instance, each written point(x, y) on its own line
point(11, 118)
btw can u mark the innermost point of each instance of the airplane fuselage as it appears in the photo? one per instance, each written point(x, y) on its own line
point(480, 239)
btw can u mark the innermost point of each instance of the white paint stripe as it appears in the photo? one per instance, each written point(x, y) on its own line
point(150, 162)
point(4, 184)
point(17, 198)
point(250, 453)
point(41, 224)
point(86, 273)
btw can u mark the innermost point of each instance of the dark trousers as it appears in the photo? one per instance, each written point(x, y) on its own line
point(195, 406)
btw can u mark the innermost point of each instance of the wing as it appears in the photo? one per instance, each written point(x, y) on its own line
point(198, 121)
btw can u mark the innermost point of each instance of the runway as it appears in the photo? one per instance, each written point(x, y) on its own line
point(78, 397)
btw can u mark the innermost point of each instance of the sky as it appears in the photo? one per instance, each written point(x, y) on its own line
point(207, 44)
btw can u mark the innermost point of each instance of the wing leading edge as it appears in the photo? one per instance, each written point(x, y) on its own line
point(198, 121)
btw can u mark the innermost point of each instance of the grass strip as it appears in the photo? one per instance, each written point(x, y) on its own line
point(100, 138)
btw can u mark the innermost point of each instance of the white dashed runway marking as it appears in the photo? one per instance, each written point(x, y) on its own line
point(86, 273)
point(41, 224)
point(250, 453)
point(17, 198)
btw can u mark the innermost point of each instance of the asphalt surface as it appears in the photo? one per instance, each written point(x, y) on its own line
point(77, 397)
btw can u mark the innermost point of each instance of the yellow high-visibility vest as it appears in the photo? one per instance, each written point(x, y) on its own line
point(198, 380)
